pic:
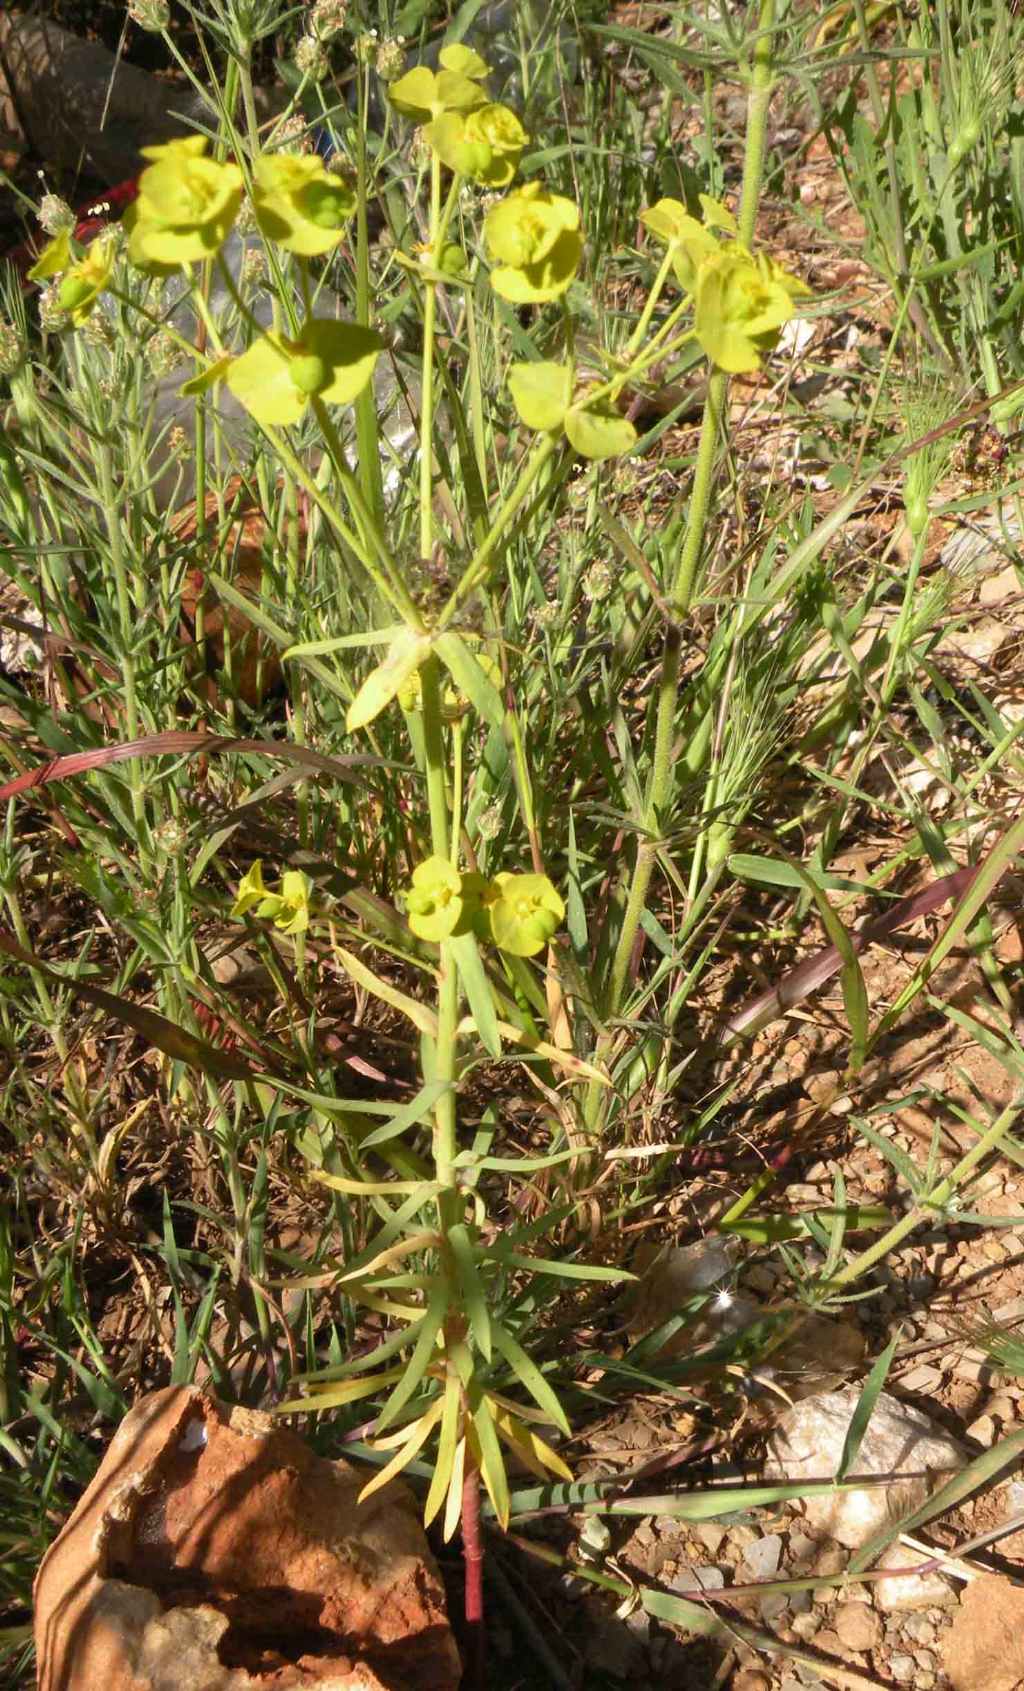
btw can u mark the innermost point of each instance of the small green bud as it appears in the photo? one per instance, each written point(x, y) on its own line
point(390, 60)
point(311, 58)
point(151, 15)
point(327, 17)
point(12, 350)
point(55, 214)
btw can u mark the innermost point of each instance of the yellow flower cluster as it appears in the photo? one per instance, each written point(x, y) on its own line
point(519, 913)
point(740, 301)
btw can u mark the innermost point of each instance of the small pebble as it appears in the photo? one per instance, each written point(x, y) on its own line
point(800, 1602)
point(923, 1379)
point(761, 1559)
point(983, 1430)
point(774, 1605)
point(710, 1535)
point(902, 1668)
point(858, 1626)
point(801, 1548)
point(751, 1679)
point(918, 1629)
point(805, 1626)
point(697, 1579)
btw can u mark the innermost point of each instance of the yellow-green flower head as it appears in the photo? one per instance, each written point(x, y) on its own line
point(484, 144)
point(741, 303)
point(534, 236)
point(288, 909)
point(423, 94)
point(687, 240)
point(434, 902)
point(186, 205)
point(524, 912)
point(276, 378)
point(86, 280)
point(300, 204)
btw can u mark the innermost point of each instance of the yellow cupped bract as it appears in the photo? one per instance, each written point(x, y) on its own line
point(543, 396)
point(276, 378)
point(534, 237)
point(688, 241)
point(299, 203)
point(484, 144)
point(524, 911)
point(422, 94)
point(288, 908)
point(434, 903)
point(86, 280)
point(55, 257)
point(185, 207)
point(741, 302)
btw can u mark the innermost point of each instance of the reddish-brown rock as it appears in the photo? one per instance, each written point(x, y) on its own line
point(984, 1648)
point(214, 1551)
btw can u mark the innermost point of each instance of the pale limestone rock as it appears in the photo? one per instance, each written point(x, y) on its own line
point(900, 1444)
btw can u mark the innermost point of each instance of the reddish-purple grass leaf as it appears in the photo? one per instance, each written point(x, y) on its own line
point(814, 971)
point(181, 741)
point(167, 1036)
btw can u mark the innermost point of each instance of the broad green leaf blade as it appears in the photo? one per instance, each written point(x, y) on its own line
point(407, 653)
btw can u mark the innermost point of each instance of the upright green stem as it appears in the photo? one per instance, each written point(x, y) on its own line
point(684, 584)
point(366, 405)
point(427, 383)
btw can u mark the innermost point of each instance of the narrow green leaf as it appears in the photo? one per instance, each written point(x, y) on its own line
point(562, 1270)
point(417, 1110)
point(865, 1407)
point(477, 988)
point(342, 642)
point(424, 1352)
point(530, 1376)
point(492, 1463)
point(970, 1479)
point(447, 1445)
point(473, 1290)
point(470, 677)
